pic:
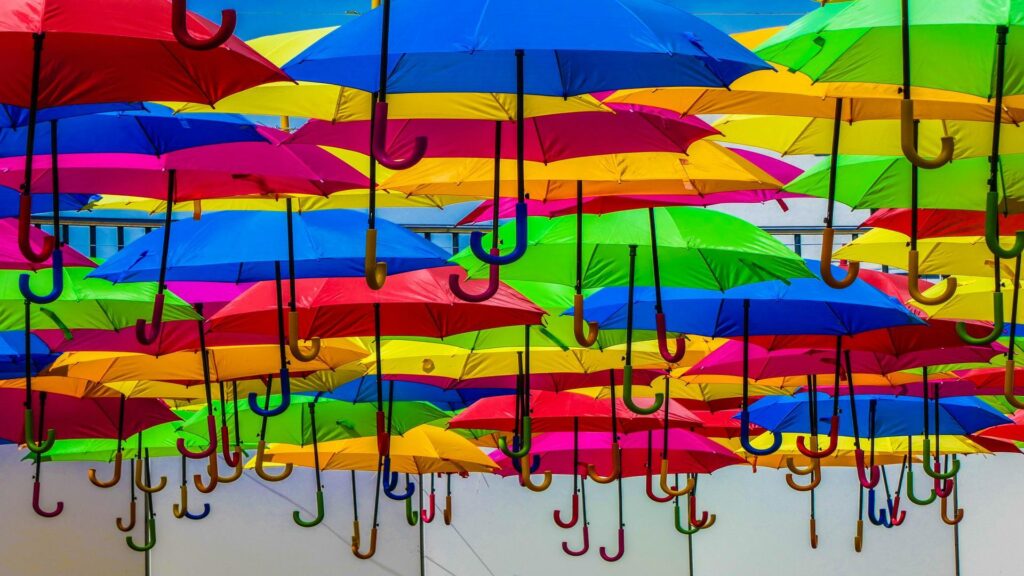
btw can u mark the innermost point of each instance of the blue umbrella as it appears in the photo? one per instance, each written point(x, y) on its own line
point(365, 390)
point(562, 48)
point(16, 116)
point(40, 204)
point(12, 355)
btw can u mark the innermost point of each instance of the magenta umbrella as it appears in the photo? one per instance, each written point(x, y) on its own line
point(11, 257)
point(778, 169)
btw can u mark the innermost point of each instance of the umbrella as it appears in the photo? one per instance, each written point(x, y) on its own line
point(13, 357)
point(365, 390)
point(940, 223)
point(11, 257)
point(10, 206)
point(707, 400)
point(966, 255)
point(888, 450)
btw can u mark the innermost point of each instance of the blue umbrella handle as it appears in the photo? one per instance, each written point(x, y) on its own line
point(745, 438)
point(58, 282)
point(286, 398)
point(476, 241)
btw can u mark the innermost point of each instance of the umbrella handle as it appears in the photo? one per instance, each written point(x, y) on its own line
point(113, 480)
point(293, 341)
point(179, 12)
point(688, 530)
point(833, 442)
point(1009, 385)
point(942, 488)
point(58, 282)
point(935, 472)
point(179, 508)
point(447, 510)
point(557, 514)
point(526, 479)
point(412, 517)
point(881, 517)
point(627, 395)
point(815, 478)
point(910, 489)
point(355, 543)
point(297, 515)
point(745, 438)
point(428, 513)
point(586, 338)
point(868, 482)
point(383, 439)
point(997, 324)
point(380, 140)
point(30, 442)
point(211, 430)
point(852, 268)
point(992, 230)
point(813, 526)
point(674, 491)
point(858, 540)
point(148, 335)
point(616, 467)
point(38, 509)
point(621, 551)
point(286, 399)
point(706, 521)
point(649, 485)
point(131, 519)
point(913, 276)
point(666, 355)
point(376, 272)
point(944, 512)
point(201, 515)
point(389, 481)
point(261, 448)
point(150, 537)
point(526, 440)
point(909, 146)
point(141, 484)
point(237, 468)
point(896, 516)
point(214, 471)
point(534, 464)
point(232, 459)
point(24, 233)
point(584, 549)
point(489, 291)
point(476, 241)
point(796, 469)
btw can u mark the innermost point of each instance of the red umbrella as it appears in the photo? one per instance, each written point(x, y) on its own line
point(1013, 432)
point(417, 303)
point(893, 341)
point(552, 382)
point(933, 223)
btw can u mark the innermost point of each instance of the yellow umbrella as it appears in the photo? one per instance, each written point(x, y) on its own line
point(953, 255)
point(972, 301)
point(888, 450)
point(705, 169)
point(696, 392)
point(338, 104)
point(784, 93)
point(226, 363)
point(77, 387)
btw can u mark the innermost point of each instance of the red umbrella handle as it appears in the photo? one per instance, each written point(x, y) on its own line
point(179, 25)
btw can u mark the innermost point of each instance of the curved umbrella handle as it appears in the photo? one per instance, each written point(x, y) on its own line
point(852, 268)
point(526, 478)
point(428, 513)
point(815, 479)
point(688, 530)
point(616, 467)
point(525, 442)
point(355, 543)
point(57, 284)
point(942, 488)
point(584, 549)
point(909, 146)
point(412, 517)
point(745, 438)
point(286, 398)
point(38, 509)
point(150, 537)
point(621, 551)
point(376, 272)
point(201, 515)
point(858, 540)
point(957, 516)
point(557, 514)
point(833, 442)
point(868, 482)
point(674, 491)
point(997, 325)
point(879, 519)
point(476, 241)
point(910, 490)
point(447, 510)
point(148, 335)
point(389, 485)
point(534, 464)
point(297, 515)
point(380, 142)
point(796, 469)
point(236, 469)
point(627, 395)
point(30, 442)
point(649, 485)
point(25, 234)
point(1009, 384)
point(234, 458)
point(896, 516)
point(179, 11)
point(705, 520)
point(131, 519)
point(383, 439)
point(489, 291)
point(114, 479)
point(584, 338)
point(179, 508)
point(913, 276)
point(261, 449)
point(992, 230)
point(293, 341)
point(813, 526)
point(211, 430)
point(141, 484)
point(935, 472)
point(666, 355)
point(213, 470)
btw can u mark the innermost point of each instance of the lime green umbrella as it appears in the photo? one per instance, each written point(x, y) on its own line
point(160, 440)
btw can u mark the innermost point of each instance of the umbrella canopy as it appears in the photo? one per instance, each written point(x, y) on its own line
point(79, 417)
point(798, 306)
point(945, 255)
point(1013, 431)
point(41, 204)
point(894, 415)
point(972, 301)
point(336, 420)
point(244, 247)
point(157, 442)
point(941, 223)
point(708, 401)
point(13, 357)
point(11, 257)
point(688, 452)
point(888, 450)
point(118, 51)
point(552, 412)
point(417, 303)
point(422, 450)
point(569, 48)
point(364, 390)
point(697, 248)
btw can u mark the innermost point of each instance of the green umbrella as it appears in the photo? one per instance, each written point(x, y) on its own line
point(160, 440)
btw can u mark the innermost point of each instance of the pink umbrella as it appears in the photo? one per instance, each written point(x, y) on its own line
point(11, 257)
point(778, 169)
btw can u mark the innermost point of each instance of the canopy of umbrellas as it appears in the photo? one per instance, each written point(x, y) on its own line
point(614, 327)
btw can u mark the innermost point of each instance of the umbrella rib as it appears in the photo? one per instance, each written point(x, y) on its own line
point(188, 74)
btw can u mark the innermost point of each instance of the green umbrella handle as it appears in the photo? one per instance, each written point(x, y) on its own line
point(179, 14)
point(913, 278)
point(297, 516)
point(627, 395)
point(934, 473)
point(293, 340)
point(909, 146)
point(150, 537)
point(526, 440)
point(852, 268)
point(1009, 385)
point(412, 517)
point(688, 530)
point(992, 230)
point(30, 442)
point(997, 324)
point(910, 489)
